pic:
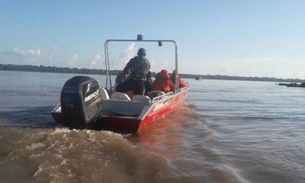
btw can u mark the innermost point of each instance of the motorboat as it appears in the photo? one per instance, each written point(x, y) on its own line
point(84, 105)
point(292, 84)
point(198, 78)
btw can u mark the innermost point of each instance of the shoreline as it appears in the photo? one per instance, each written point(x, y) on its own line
point(66, 70)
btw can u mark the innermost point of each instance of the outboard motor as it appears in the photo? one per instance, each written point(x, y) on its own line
point(80, 102)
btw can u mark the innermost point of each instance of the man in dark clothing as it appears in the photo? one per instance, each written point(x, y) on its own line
point(148, 83)
point(137, 68)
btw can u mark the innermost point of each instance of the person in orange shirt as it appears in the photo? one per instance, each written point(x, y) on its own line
point(163, 82)
point(181, 83)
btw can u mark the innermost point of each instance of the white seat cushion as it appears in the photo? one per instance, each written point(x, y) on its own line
point(119, 96)
point(104, 93)
point(141, 98)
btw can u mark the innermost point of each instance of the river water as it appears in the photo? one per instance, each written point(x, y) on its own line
point(228, 132)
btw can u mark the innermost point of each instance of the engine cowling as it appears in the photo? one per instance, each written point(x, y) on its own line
point(80, 102)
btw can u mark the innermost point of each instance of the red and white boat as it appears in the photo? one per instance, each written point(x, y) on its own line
point(84, 105)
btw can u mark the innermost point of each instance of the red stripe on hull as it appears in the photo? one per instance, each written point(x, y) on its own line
point(169, 106)
point(132, 125)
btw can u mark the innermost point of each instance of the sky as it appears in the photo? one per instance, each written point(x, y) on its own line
point(254, 38)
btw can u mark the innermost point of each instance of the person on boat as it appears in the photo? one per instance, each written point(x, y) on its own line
point(163, 82)
point(148, 83)
point(121, 77)
point(137, 68)
point(181, 83)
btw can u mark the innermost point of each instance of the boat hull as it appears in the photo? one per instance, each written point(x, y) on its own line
point(155, 110)
point(124, 123)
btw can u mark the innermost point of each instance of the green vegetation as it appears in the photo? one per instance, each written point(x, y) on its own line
point(32, 68)
point(41, 68)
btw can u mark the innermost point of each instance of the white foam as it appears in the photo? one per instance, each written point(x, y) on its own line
point(35, 146)
point(61, 130)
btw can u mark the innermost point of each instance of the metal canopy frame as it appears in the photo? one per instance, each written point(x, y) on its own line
point(139, 39)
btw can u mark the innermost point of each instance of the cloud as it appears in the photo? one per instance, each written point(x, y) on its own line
point(20, 56)
point(72, 61)
point(54, 54)
point(130, 51)
point(96, 58)
point(158, 66)
point(23, 53)
point(27, 53)
point(120, 59)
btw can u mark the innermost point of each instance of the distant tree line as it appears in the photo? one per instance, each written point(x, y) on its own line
point(41, 68)
point(52, 69)
point(243, 78)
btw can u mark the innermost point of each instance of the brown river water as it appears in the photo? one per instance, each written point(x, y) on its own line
point(228, 132)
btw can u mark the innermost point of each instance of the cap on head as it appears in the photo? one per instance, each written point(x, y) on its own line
point(141, 52)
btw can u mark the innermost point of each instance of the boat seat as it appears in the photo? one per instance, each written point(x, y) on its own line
point(104, 93)
point(119, 96)
point(141, 98)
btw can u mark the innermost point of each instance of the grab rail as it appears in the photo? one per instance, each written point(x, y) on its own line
point(162, 96)
point(139, 39)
